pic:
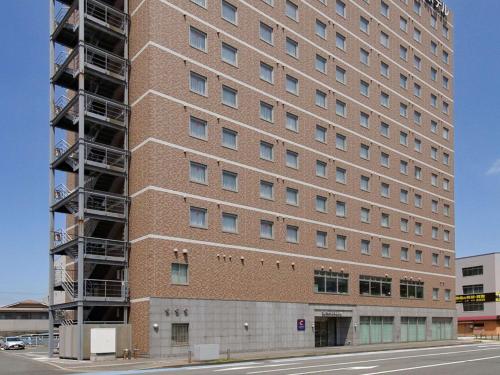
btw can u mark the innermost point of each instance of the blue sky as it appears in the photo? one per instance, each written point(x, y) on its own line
point(24, 139)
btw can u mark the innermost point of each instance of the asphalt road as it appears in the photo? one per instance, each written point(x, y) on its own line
point(481, 359)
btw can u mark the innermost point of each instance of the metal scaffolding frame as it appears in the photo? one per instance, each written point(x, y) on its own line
point(88, 145)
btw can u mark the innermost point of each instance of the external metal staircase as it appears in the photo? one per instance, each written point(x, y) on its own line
point(89, 150)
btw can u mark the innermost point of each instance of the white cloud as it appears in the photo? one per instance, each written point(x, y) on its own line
point(494, 169)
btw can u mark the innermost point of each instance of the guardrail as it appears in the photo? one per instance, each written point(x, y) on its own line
point(106, 15)
point(106, 288)
point(105, 202)
point(105, 155)
point(105, 248)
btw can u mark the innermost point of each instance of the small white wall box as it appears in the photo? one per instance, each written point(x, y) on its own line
point(103, 342)
point(206, 352)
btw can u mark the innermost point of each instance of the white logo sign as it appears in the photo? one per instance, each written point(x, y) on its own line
point(440, 6)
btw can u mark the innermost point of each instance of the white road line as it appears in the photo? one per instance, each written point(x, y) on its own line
point(338, 369)
point(428, 366)
point(367, 361)
point(250, 367)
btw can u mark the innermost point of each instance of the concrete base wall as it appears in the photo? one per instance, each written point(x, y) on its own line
point(270, 325)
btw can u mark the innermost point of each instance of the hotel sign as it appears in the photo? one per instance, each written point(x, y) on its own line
point(482, 297)
point(440, 6)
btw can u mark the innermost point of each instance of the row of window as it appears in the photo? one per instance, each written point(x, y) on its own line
point(229, 54)
point(198, 84)
point(338, 283)
point(198, 218)
point(198, 173)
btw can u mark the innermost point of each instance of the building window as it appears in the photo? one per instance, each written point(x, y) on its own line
point(292, 47)
point(320, 99)
point(364, 120)
point(446, 57)
point(341, 142)
point(340, 41)
point(403, 167)
point(364, 183)
point(340, 75)
point(266, 190)
point(197, 39)
point(364, 56)
point(418, 174)
point(341, 175)
point(384, 39)
point(413, 329)
point(418, 145)
point(321, 203)
point(473, 306)
point(435, 259)
point(376, 329)
point(411, 289)
point(266, 33)
point(417, 117)
point(266, 72)
point(417, 35)
point(417, 62)
point(340, 8)
point(229, 223)
point(229, 54)
point(446, 184)
point(403, 225)
point(198, 128)
point(320, 64)
point(266, 112)
point(384, 9)
point(365, 215)
point(340, 209)
point(375, 286)
point(403, 24)
point(386, 250)
point(320, 134)
point(435, 294)
point(331, 282)
point(404, 255)
point(403, 53)
point(403, 196)
point(473, 289)
point(198, 217)
point(472, 271)
point(292, 159)
point(229, 96)
point(180, 334)
point(418, 229)
point(434, 126)
point(384, 159)
point(403, 110)
point(435, 233)
point(292, 196)
point(229, 181)
point(433, 74)
point(418, 256)
point(403, 81)
point(446, 235)
point(198, 84)
point(384, 220)
point(384, 99)
point(364, 88)
point(417, 90)
point(198, 173)
point(229, 138)
point(292, 85)
point(434, 206)
point(321, 239)
point(364, 25)
point(292, 234)
point(292, 122)
point(384, 69)
point(320, 168)
point(446, 210)
point(202, 3)
point(292, 10)
point(364, 151)
point(266, 229)
point(179, 274)
point(320, 29)
point(417, 6)
point(384, 190)
point(365, 247)
point(434, 48)
point(447, 261)
point(340, 108)
point(341, 242)
point(266, 151)
point(229, 12)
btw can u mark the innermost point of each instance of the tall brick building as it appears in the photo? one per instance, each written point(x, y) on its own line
point(289, 173)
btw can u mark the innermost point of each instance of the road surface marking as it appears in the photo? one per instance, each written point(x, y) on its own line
point(369, 360)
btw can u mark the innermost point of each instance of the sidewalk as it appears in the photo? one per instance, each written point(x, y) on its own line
point(149, 363)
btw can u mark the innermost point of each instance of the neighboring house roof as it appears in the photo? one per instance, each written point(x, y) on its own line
point(26, 304)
